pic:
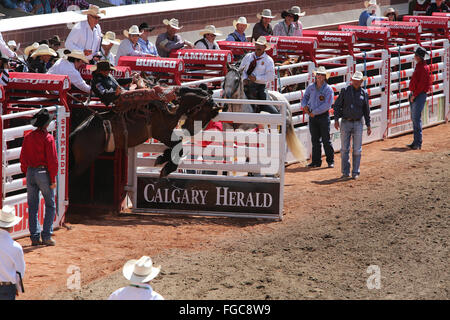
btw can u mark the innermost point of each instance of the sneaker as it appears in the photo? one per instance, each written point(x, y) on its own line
point(49, 242)
point(331, 165)
point(313, 165)
point(36, 242)
point(356, 176)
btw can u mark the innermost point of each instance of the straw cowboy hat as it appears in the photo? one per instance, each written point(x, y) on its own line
point(31, 48)
point(210, 30)
point(390, 10)
point(8, 217)
point(77, 54)
point(41, 119)
point(140, 271)
point(102, 65)
point(358, 75)
point(172, 23)
point(110, 37)
point(262, 41)
point(286, 13)
point(240, 20)
point(266, 13)
point(94, 10)
point(44, 50)
point(298, 11)
point(134, 30)
point(322, 70)
point(12, 44)
point(370, 3)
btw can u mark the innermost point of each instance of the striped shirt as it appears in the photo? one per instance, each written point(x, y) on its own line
point(4, 77)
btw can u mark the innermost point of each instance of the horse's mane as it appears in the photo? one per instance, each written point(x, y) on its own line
point(83, 124)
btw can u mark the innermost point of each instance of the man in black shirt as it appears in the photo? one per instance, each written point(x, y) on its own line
point(103, 84)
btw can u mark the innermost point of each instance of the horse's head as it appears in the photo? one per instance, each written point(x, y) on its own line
point(232, 83)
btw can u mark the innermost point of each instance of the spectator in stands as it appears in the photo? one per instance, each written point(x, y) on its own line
point(12, 266)
point(316, 104)
point(28, 52)
point(62, 5)
point(40, 57)
point(54, 43)
point(86, 35)
point(208, 41)
point(371, 10)
point(263, 27)
point(170, 40)
point(5, 50)
point(13, 45)
point(143, 41)
point(70, 65)
point(25, 6)
point(438, 6)
point(109, 40)
point(9, 4)
point(38, 160)
point(298, 32)
point(352, 105)
point(258, 69)
point(419, 85)
point(391, 14)
point(240, 25)
point(139, 273)
point(286, 27)
point(42, 6)
point(130, 45)
point(417, 7)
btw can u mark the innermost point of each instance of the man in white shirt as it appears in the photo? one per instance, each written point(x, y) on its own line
point(130, 46)
point(208, 41)
point(258, 70)
point(5, 50)
point(12, 263)
point(70, 66)
point(86, 36)
point(139, 273)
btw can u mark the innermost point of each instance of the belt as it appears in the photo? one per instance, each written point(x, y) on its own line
point(322, 114)
point(352, 120)
point(39, 167)
point(2, 284)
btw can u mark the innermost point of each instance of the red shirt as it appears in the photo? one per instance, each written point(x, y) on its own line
point(38, 149)
point(421, 79)
point(215, 126)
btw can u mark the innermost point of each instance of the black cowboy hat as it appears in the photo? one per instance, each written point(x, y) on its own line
point(289, 12)
point(102, 65)
point(145, 26)
point(41, 119)
point(421, 52)
point(55, 40)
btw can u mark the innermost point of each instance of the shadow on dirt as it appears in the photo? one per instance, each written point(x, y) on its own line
point(397, 149)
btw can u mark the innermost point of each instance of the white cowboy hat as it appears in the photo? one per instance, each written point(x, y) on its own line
point(134, 30)
point(110, 37)
point(8, 217)
point(370, 3)
point(266, 13)
point(240, 20)
point(44, 50)
point(210, 30)
point(173, 23)
point(77, 54)
point(421, 2)
point(298, 11)
point(262, 41)
point(94, 10)
point(390, 10)
point(140, 271)
point(12, 43)
point(322, 70)
point(358, 75)
point(27, 50)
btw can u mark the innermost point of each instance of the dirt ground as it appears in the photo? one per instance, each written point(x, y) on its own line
point(396, 217)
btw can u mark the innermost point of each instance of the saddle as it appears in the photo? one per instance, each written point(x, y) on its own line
point(139, 98)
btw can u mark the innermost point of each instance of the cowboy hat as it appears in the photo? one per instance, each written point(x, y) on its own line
point(421, 52)
point(322, 70)
point(210, 30)
point(298, 11)
point(240, 20)
point(266, 13)
point(77, 54)
point(262, 41)
point(145, 26)
point(94, 10)
point(358, 75)
point(110, 37)
point(140, 271)
point(30, 48)
point(172, 23)
point(134, 30)
point(55, 40)
point(370, 3)
point(102, 65)
point(390, 10)
point(8, 217)
point(41, 119)
point(12, 43)
point(44, 50)
point(290, 12)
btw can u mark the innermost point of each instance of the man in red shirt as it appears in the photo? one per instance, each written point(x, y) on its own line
point(38, 160)
point(419, 85)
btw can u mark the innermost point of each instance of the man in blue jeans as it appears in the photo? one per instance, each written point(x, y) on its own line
point(352, 105)
point(39, 162)
point(316, 103)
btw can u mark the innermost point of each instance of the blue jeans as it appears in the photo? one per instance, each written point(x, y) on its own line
point(8, 292)
point(39, 180)
point(319, 127)
point(416, 117)
point(351, 130)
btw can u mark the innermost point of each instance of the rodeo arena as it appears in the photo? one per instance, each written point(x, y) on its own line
point(226, 150)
